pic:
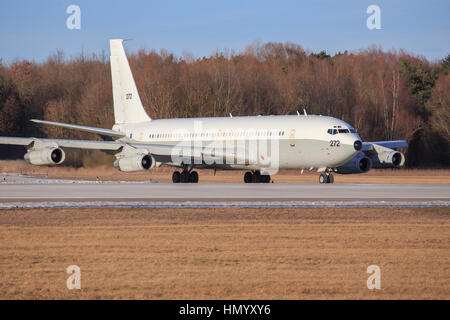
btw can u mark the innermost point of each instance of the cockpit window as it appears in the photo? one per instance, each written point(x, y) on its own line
point(332, 131)
point(336, 131)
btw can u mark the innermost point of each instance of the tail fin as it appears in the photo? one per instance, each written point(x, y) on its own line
point(128, 107)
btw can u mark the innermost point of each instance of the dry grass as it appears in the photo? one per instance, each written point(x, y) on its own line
point(227, 253)
point(164, 174)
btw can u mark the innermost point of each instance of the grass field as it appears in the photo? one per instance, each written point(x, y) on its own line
point(164, 174)
point(230, 253)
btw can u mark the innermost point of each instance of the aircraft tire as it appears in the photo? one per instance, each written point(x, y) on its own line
point(176, 177)
point(323, 178)
point(256, 177)
point(248, 177)
point(185, 177)
point(193, 177)
point(330, 178)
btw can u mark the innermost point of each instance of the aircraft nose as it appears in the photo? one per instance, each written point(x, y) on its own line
point(357, 145)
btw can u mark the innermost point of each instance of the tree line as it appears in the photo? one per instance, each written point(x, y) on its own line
point(383, 94)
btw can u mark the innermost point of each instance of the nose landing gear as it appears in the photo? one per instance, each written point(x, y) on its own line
point(326, 177)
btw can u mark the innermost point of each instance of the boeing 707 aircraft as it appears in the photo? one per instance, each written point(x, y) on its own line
point(258, 144)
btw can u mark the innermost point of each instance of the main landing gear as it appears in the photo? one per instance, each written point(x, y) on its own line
point(185, 176)
point(256, 177)
point(326, 177)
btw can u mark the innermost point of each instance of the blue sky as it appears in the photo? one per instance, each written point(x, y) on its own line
point(33, 30)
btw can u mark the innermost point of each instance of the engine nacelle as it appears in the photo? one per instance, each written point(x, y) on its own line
point(359, 164)
point(140, 162)
point(47, 156)
point(388, 159)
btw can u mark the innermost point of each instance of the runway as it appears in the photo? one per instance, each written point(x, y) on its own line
point(220, 192)
point(69, 193)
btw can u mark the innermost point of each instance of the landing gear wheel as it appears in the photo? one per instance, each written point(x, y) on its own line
point(330, 178)
point(248, 177)
point(256, 177)
point(193, 177)
point(326, 178)
point(176, 177)
point(185, 177)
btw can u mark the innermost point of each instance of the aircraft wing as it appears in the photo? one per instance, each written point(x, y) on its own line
point(100, 131)
point(369, 146)
point(158, 149)
point(162, 152)
point(64, 143)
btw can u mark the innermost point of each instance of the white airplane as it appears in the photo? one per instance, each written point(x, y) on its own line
point(259, 144)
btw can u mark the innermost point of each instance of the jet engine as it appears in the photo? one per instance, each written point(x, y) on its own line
point(47, 156)
point(388, 159)
point(139, 162)
point(359, 164)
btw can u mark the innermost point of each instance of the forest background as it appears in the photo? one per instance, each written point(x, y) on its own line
point(384, 94)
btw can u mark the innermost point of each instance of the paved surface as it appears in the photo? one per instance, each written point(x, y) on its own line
point(12, 192)
point(224, 204)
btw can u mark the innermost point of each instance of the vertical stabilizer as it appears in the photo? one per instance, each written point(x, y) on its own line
point(128, 107)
